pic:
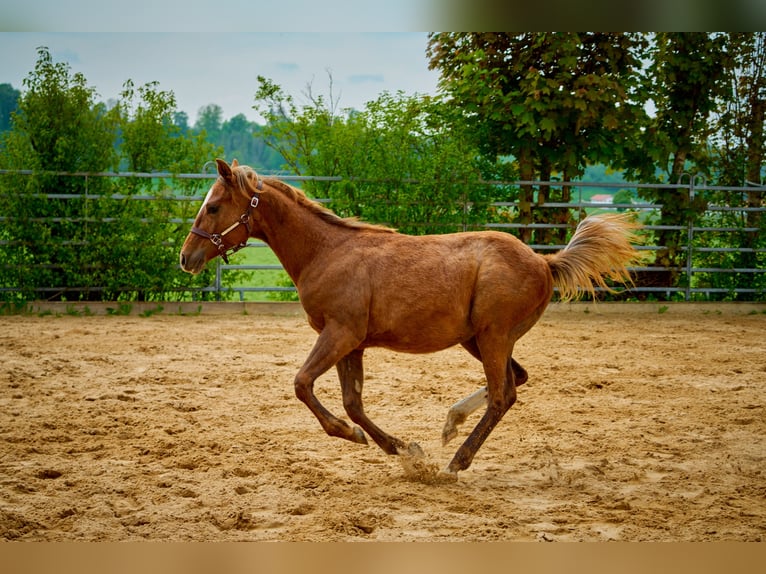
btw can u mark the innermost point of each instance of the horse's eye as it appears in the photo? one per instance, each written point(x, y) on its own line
point(212, 209)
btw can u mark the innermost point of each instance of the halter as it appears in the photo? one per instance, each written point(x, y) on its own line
point(244, 219)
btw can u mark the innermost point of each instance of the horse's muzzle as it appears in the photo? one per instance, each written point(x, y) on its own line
point(193, 263)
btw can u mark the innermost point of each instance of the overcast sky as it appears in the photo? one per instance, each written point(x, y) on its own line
point(205, 68)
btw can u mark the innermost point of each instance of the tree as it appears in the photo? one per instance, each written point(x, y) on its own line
point(209, 120)
point(623, 197)
point(244, 140)
point(553, 101)
point(739, 154)
point(238, 137)
point(181, 119)
point(65, 232)
point(688, 76)
point(739, 142)
point(58, 127)
point(403, 160)
point(9, 98)
point(152, 140)
point(58, 124)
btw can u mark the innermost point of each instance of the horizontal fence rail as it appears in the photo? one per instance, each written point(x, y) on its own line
point(713, 260)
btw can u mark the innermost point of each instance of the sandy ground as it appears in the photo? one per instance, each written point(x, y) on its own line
point(633, 426)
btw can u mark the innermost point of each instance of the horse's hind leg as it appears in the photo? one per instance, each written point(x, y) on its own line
point(461, 410)
point(351, 375)
point(496, 353)
point(519, 372)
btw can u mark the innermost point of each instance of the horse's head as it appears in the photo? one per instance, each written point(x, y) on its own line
point(223, 224)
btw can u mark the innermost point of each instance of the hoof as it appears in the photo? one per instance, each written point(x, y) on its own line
point(412, 450)
point(455, 418)
point(448, 433)
point(359, 436)
point(447, 476)
point(416, 465)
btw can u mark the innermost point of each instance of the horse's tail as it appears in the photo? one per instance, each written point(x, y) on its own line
point(600, 248)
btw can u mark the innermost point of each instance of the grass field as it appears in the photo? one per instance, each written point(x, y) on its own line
point(259, 277)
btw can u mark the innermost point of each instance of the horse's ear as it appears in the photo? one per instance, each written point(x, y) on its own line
point(234, 162)
point(224, 170)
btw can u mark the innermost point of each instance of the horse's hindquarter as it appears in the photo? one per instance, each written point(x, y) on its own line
point(423, 294)
point(514, 283)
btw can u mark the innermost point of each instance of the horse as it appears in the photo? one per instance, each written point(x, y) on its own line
point(363, 285)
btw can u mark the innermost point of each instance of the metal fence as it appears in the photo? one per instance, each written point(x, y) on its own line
point(705, 261)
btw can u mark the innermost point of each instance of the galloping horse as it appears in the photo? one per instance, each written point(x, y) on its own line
point(365, 285)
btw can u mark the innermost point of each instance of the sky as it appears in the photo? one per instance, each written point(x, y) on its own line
point(221, 68)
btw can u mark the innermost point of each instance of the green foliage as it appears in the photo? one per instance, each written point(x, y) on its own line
point(9, 98)
point(739, 150)
point(66, 233)
point(57, 127)
point(122, 309)
point(556, 102)
point(744, 249)
point(404, 160)
point(240, 138)
point(687, 76)
point(739, 143)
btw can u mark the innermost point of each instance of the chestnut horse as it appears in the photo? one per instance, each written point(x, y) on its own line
point(365, 285)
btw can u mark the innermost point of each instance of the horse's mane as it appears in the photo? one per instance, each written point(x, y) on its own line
point(245, 179)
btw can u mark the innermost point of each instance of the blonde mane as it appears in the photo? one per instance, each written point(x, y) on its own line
point(247, 178)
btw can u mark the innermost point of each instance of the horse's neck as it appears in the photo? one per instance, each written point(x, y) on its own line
point(296, 235)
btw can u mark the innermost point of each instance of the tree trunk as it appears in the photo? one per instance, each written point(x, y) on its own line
point(526, 192)
point(755, 157)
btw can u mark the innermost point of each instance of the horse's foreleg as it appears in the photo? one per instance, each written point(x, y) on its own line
point(351, 375)
point(331, 346)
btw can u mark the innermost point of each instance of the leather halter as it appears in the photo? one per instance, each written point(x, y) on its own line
point(244, 219)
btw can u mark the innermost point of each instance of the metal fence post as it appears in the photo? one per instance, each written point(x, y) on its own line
point(217, 279)
point(689, 240)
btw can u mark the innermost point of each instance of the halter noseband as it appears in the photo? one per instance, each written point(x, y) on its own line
point(244, 219)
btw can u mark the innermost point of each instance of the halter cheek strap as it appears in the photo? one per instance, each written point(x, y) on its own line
point(244, 219)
